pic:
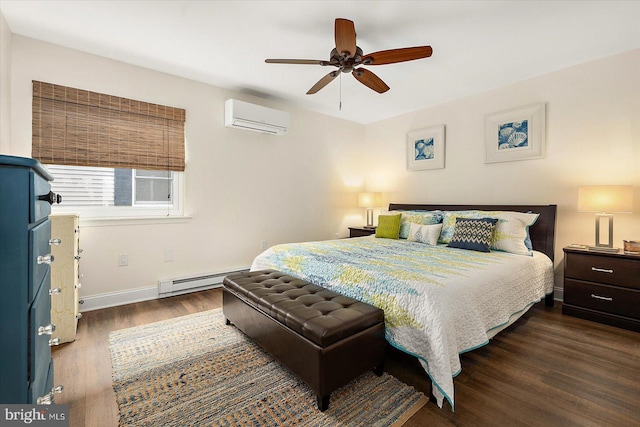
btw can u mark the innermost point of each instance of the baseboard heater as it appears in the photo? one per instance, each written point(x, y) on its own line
point(172, 287)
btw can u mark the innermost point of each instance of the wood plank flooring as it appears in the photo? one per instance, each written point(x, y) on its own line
point(547, 369)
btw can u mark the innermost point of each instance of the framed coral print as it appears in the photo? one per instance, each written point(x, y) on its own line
point(425, 148)
point(517, 134)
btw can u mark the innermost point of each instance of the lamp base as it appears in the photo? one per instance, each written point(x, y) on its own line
point(369, 217)
point(604, 249)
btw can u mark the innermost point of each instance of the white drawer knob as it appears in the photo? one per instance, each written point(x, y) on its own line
point(47, 399)
point(46, 259)
point(46, 330)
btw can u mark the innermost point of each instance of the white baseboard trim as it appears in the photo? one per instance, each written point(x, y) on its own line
point(112, 299)
point(558, 294)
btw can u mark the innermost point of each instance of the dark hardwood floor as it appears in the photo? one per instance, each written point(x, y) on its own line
point(546, 369)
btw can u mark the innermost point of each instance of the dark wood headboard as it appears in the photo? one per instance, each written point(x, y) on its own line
point(542, 233)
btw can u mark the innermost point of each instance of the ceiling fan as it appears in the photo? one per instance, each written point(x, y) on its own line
point(346, 56)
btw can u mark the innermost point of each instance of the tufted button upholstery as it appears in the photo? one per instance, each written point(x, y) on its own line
point(318, 314)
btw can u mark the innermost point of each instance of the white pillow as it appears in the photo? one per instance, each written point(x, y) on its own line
point(424, 233)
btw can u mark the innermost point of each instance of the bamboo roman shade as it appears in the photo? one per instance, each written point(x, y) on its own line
point(81, 128)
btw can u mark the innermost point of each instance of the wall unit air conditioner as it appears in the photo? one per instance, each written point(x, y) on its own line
point(256, 118)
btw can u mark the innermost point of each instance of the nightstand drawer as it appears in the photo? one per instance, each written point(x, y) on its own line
point(361, 232)
point(601, 269)
point(610, 299)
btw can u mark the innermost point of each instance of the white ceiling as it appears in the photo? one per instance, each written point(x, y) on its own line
point(477, 45)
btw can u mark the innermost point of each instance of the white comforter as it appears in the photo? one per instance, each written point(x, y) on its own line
point(438, 301)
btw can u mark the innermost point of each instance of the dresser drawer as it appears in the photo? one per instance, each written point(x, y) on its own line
point(602, 269)
point(39, 249)
point(39, 350)
point(40, 388)
point(609, 299)
point(39, 208)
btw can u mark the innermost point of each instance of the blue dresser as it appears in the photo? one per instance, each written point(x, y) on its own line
point(26, 368)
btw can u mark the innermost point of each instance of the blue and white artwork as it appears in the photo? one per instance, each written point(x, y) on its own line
point(424, 149)
point(513, 135)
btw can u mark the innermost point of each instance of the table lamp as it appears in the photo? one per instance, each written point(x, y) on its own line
point(605, 200)
point(369, 201)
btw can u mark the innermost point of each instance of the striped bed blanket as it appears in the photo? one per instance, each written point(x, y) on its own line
point(438, 302)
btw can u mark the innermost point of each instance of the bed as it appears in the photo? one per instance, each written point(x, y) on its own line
point(438, 301)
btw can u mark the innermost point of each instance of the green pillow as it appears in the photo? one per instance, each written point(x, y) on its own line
point(388, 226)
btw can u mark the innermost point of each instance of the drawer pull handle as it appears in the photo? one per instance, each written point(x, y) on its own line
point(46, 330)
point(602, 298)
point(46, 259)
point(47, 399)
point(79, 316)
point(55, 291)
point(77, 257)
point(54, 242)
point(51, 198)
point(602, 270)
point(54, 341)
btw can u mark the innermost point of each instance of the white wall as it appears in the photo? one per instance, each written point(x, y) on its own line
point(593, 137)
point(241, 187)
point(5, 85)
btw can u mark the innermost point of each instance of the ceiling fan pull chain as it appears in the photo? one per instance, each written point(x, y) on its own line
point(340, 105)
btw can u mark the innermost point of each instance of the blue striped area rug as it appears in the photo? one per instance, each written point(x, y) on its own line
point(195, 370)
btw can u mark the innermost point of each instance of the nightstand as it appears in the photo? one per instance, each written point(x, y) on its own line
point(361, 231)
point(602, 287)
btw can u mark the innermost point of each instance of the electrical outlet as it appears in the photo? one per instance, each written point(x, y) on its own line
point(123, 260)
point(263, 245)
point(168, 255)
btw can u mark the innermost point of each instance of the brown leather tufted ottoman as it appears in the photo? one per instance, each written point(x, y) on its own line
point(325, 338)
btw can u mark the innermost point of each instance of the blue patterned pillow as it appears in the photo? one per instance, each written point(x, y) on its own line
point(511, 234)
point(475, 234)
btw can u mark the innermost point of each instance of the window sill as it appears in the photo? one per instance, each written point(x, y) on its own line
point(140, 220)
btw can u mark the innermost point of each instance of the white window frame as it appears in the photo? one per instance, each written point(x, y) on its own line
point(141, 211)
point(134, 183)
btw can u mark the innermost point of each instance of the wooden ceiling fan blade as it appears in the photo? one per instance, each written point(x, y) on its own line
point(323, 82)
point(297, 61)
point(370, 80)
point(345, 35)
point(397, 55)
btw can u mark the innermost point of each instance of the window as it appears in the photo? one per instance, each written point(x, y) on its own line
point(116, 192)
point(151, 187)
point(110, 156)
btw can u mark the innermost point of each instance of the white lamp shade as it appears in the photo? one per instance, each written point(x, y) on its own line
point(605, 198)
point(369, 200)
